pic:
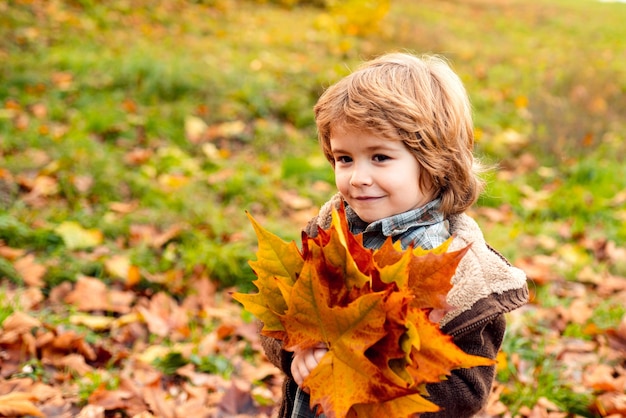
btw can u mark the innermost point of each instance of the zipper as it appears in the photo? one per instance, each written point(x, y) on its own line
point(476, 324)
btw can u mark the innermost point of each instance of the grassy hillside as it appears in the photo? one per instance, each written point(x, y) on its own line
point(134, 136)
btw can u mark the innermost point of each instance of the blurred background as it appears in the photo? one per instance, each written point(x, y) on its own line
point(135, 136)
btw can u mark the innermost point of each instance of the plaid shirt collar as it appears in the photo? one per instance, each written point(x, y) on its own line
point(395, 225)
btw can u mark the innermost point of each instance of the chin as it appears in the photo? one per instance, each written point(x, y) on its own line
point(369, 219)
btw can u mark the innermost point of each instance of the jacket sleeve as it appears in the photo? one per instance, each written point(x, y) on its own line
point(466, 391)
point(276, 355)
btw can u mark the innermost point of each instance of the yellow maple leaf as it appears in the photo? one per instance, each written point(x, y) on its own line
point(76, 237)
point(397, 407)
point(277, 266)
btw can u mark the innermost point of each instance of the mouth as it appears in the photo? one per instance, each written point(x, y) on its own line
point(366, 198)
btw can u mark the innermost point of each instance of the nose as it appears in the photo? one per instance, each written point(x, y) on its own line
point(360, 175)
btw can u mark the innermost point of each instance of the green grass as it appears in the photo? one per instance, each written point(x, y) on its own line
point(6, 309)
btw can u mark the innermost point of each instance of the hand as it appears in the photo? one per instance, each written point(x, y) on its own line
point(437, 315)
point(304, 361)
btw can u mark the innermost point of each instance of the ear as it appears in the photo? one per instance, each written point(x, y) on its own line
point(428, 183)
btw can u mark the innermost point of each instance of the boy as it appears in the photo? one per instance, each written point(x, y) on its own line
point(398, 133)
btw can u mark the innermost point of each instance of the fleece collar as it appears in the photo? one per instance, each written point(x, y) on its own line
point(481, 272)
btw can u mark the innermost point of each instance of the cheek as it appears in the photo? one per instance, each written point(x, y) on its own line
point(340, 178)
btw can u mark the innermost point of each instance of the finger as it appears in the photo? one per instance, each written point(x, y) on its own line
point(296, 371)
point(310, 361)
point(299, 368)
point(318, 353)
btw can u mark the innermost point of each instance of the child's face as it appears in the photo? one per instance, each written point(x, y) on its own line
point(378, 177)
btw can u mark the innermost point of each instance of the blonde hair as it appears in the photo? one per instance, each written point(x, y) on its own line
point(420, 101)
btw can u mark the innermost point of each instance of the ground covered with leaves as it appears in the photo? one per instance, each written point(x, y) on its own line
point(133, 139)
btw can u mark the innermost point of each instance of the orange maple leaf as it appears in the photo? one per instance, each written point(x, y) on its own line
point(369, 307)
point(344, 375)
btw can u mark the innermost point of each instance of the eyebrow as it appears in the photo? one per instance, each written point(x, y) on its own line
point(379, 148)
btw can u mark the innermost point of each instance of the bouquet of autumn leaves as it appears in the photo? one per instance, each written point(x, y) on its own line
point(369, 307)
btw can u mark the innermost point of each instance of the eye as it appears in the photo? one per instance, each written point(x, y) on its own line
point(380, 158)
point(344, 159)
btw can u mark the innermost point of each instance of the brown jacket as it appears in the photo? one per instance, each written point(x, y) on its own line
point(485, 287)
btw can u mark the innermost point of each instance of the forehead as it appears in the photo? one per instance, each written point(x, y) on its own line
point(353, 138)
point(357, 128)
